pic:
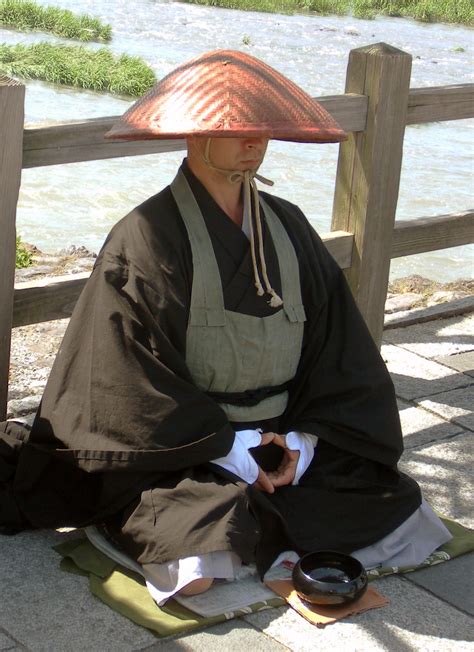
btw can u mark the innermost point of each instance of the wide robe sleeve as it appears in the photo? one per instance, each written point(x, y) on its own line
point(342, 391)
point(120, 396)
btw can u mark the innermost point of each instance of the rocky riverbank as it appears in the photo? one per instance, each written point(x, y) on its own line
point(34, 347)
point(73, 260)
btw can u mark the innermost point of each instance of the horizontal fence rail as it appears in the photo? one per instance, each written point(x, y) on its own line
point(54, 298)
point(432, 233)
point(83, 140)
point(47, 298)
point(440, 103)
point(76, 141)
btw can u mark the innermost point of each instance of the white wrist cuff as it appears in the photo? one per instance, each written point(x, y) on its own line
point(238, 460)
point(305, 444)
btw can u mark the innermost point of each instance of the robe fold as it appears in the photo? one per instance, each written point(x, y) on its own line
point(124, 436)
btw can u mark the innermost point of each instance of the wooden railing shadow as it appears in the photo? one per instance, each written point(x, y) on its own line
point(377, 105)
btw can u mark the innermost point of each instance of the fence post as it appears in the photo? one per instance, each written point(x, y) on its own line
point(368, 174)
point(12, 100)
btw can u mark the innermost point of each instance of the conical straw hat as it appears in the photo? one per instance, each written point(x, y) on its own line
point(227, 93)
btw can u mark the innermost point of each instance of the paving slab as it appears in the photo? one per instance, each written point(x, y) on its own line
point(6, 642)
point(463, 362)
point(416, 377)
point(444, 472)
point(421, 427)
point(233, 635)
point(456, 406)
point(435, 338)
point(48, 610)
point(451, 582)
point(414, 620)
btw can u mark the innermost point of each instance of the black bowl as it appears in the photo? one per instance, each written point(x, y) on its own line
point(327, 577)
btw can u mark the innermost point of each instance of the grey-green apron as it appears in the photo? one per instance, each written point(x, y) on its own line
point(230, 352)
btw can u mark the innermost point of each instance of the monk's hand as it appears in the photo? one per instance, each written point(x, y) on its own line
point(285, 473)
point(263, 482)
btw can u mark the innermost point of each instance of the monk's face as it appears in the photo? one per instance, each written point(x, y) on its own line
point(238, 153)
point(231, 153)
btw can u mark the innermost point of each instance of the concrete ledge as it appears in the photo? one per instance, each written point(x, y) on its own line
point(448, 309)
point(443, 337)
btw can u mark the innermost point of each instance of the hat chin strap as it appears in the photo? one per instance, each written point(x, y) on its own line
point(248, 177)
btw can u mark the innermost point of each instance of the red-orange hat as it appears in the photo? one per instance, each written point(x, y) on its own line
point(227, 93)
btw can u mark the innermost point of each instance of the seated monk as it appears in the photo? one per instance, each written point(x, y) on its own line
point(217, 399)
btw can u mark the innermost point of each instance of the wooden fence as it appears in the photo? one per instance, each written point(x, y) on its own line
point(377, 105)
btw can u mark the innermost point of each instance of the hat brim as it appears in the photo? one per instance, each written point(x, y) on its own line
point(227, 94)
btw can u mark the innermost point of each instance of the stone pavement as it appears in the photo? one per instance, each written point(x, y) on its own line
point(432, 365)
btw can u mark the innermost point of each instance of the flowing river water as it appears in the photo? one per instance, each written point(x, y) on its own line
point(79, 203)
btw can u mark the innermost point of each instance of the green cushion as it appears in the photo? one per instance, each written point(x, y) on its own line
point(126, 592)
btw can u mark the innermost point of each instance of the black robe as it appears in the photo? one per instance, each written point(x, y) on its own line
point(123, 435)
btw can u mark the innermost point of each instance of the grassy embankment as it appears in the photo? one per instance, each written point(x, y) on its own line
point(77, 66)
point(27, 16)
point(440, 11)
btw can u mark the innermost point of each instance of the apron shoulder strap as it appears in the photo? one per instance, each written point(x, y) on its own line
point(288, 263)
point(207, 299)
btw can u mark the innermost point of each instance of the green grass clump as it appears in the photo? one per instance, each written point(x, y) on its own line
point(435, 11)
point(26, 16)
point(24, 257)
point(444, 11)
point(323, 7)
point(77, 66)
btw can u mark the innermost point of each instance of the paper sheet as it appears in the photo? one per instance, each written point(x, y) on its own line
point(225, 597)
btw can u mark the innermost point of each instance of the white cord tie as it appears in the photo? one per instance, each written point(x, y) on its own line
point(250, 188)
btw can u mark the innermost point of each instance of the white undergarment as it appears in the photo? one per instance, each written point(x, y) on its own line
point(408, 545)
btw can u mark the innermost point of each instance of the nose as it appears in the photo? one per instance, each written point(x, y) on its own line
point(257, 142)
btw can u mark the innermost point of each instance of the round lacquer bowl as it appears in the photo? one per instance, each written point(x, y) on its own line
point(327, 577)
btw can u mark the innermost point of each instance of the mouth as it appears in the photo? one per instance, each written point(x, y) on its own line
point(252, 162)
